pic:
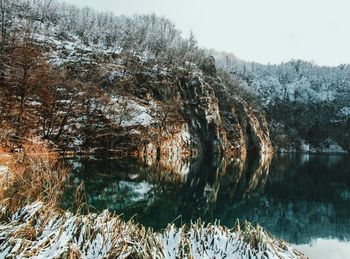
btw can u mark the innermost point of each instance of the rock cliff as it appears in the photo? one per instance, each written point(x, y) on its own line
point(198, 117)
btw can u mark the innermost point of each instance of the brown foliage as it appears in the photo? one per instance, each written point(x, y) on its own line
point(28, 72)
point(37, 99)
point(36, 175)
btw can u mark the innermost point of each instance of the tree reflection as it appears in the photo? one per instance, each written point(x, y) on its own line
point(296, 197)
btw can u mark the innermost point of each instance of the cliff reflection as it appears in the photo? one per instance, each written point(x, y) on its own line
point(296, 197)
point(300, 198)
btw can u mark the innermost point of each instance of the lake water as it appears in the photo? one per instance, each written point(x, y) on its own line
point(303, 199)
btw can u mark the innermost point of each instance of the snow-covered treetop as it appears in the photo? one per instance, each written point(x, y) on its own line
point(138, 33)
point(295, 80)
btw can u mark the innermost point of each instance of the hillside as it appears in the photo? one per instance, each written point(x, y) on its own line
point(89, 81)
point(93, 81)
point(308, 106)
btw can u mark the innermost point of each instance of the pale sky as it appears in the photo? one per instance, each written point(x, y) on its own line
point(265, 31)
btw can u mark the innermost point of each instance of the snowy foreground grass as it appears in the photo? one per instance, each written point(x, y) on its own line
point(35, 231)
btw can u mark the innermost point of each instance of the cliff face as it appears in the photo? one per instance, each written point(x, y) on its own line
point(171, 113)
point(203, 120)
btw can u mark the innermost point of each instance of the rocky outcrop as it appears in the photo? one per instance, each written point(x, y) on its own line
point(209, 123)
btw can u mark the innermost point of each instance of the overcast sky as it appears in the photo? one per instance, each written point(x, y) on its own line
point(265, 31)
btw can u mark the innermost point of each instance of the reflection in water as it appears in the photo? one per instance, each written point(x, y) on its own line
point(326, 249)
point(296, 197)
point(303, 200)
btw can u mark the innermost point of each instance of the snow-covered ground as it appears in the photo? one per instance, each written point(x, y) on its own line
point(328, 146)
point(345, 111)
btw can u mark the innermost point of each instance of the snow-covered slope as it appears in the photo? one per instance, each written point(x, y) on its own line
point(305, 103)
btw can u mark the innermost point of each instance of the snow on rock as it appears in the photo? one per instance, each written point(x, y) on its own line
point(345, 111)
point(114, 75)
point(128, 112)
point(304, 147)
point(4, 170)
point(139, 117)
point(286, 149)
point(331, 147)
point(327, 146)
point(134, 132)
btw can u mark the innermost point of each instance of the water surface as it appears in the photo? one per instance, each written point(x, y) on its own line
point(303, 199)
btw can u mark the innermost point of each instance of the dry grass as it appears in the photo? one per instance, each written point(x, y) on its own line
point(35, 175)
point(36, 231)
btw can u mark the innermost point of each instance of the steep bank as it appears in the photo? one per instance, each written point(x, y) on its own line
point(94, 89)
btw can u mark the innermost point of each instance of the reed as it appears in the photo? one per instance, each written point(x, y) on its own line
point(34, 175)
point(40, 232)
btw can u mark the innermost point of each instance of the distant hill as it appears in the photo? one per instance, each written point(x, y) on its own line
point(307, 105)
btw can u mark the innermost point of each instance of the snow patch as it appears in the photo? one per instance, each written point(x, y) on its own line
point(304, 147)
point(127, 112)
point(4, 171)
point(345, 111)
point(331, 147)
